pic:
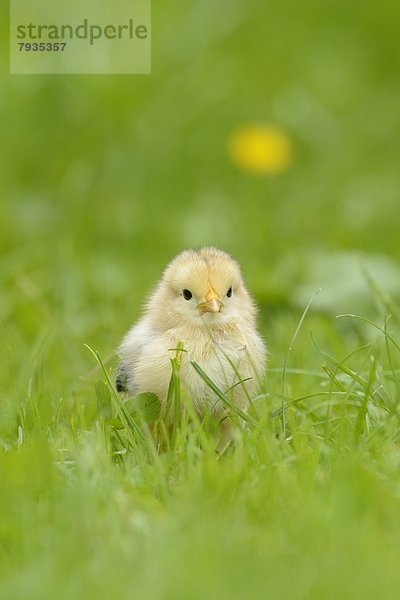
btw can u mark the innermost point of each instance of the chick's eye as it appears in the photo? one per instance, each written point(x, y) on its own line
point(187, 294)
point(229, 292)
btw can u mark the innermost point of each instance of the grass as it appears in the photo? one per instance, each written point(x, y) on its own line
point(305, 504)
point(103, 180)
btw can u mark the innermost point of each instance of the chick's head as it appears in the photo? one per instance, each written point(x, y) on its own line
point(201, 288)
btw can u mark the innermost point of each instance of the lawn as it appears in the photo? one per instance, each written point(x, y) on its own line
point(102, 181)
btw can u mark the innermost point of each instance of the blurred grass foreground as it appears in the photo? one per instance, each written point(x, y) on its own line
point(269, 129)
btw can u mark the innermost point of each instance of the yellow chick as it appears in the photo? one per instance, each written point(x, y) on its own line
point(202, 302)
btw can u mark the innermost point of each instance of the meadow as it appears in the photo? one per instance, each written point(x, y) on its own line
point(102, 181)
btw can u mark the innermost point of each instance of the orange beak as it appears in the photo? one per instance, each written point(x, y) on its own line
point(212, 304)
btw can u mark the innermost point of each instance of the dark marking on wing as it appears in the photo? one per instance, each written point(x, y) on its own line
point(121, 381)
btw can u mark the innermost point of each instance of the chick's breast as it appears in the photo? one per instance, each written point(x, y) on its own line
point(225, 358)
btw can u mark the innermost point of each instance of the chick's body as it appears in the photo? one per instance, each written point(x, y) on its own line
point(202, 302)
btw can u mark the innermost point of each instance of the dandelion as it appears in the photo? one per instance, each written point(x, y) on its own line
point(260, 149)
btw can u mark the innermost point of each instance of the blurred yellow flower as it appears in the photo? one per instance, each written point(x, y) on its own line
point(260, 149)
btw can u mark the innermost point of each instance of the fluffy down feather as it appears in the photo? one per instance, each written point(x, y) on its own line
point(201, 300)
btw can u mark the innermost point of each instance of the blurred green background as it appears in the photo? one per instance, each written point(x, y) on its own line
point(103, 179)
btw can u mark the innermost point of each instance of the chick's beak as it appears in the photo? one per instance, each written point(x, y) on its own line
point(212, 304)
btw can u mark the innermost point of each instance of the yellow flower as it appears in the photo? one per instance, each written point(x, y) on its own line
point(260, 149)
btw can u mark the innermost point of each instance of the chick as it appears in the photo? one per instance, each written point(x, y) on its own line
point(202, 302)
